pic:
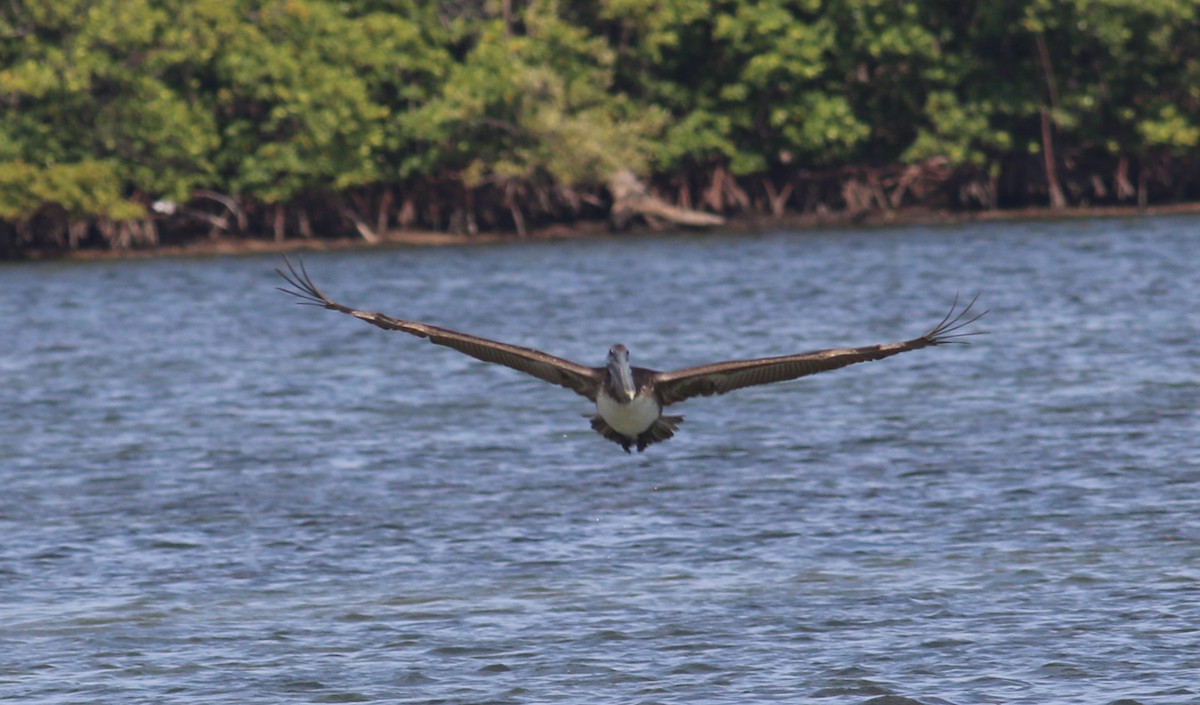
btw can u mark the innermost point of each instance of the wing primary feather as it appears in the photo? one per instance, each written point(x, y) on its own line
point(721, 377)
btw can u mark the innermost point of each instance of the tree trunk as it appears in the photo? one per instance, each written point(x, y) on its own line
point(407, 217)
point(777, 198)
point(360, 225)
point(1125, 189)
point(514, 209)
point(306, 230)
point(385, 205)
point(1057, 200)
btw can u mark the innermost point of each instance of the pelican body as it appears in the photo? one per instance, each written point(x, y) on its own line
point(628, 408)
point(630, 400)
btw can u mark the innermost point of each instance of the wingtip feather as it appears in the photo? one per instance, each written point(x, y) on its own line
point(951, 329)
point(302, 285)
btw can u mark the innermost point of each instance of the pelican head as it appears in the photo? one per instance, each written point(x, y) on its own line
point(623, 389)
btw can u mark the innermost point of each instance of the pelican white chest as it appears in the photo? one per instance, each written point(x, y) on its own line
point(631, 419)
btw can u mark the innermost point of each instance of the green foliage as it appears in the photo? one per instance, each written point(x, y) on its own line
point(748, 83)
point(86, 85)
point(1123, 71)
point(535, 105)
point(108, 105)
point(296, 113)
point(961, 133)
point(1170, 129)
point(85, 189)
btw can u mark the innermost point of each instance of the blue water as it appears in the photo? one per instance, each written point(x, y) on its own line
point(209, 495)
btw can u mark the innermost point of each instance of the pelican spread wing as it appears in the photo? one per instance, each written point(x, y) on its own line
point(722, 377)
point(555, 370)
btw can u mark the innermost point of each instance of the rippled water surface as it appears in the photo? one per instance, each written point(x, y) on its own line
point(209, 495)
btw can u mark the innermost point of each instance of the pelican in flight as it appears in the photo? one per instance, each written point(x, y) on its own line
point(630, 400)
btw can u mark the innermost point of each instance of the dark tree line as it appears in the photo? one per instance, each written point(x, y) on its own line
point(134, 122)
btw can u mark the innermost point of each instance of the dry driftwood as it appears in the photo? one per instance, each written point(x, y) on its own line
point(632, 199)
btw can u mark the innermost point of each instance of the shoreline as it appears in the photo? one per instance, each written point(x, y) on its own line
point(233, 246)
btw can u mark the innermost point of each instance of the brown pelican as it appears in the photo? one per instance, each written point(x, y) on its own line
point(630, 400)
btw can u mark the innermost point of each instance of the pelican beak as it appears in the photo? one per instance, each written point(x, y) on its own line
point(622, 373)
